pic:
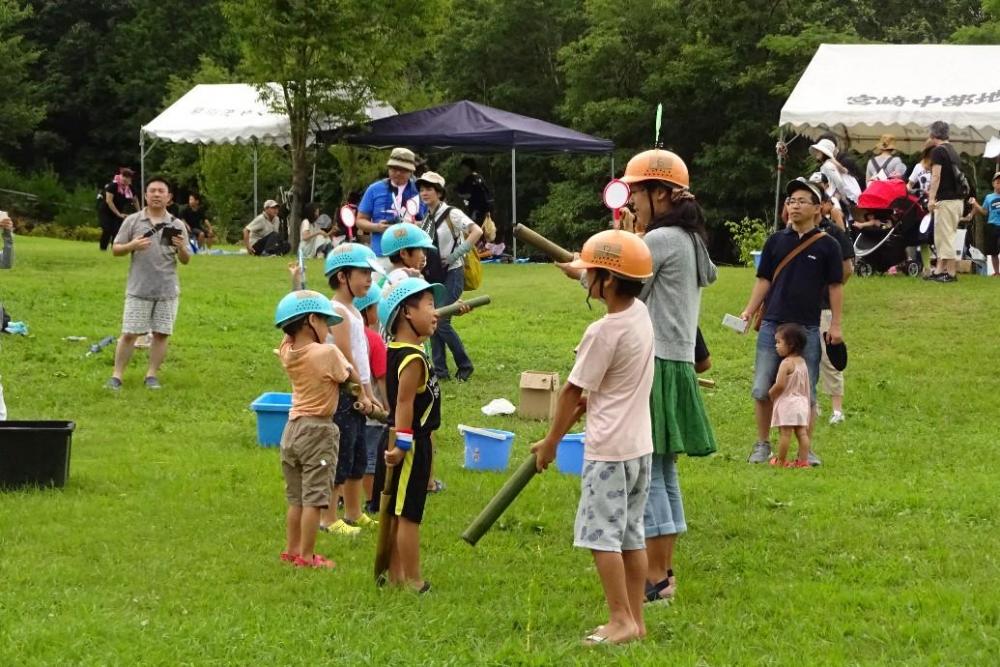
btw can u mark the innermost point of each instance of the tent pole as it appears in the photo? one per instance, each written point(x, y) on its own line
point(254, 212)
point(142, 167)
point(777, 184)
point(312, 190)
point(612, 166)
point(513, 194)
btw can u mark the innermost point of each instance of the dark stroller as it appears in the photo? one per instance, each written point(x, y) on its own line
point(898, 213)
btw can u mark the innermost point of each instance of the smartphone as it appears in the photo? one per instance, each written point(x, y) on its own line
point(735, 323)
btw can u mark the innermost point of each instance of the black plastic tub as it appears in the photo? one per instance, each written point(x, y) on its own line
point(34, 453)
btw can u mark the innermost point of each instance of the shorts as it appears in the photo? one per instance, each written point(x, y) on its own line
point(831, 380)
point(145, 315)
point(308, 459)
point(612, 502)
point(353, 458)
point(664, 514)
point(992, 240)
point(946, 215)
point(375, 435)
point(765, 368)
point(408, 491)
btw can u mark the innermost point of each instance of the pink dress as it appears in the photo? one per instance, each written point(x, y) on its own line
point(792, 407)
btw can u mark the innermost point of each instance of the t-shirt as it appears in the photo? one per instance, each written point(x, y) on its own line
point(846, 252)
point(614, 363)
point(797, 293)
point(194, 218)
point(124, 205)
point(153, 271)
point(359, 341)
point(316, 372)
point(261, 226)
point(947, 188)
point(446, 241)
point(991, 203)
point(920, 179)
point(427, 402)
point(883, 168)
point(385, 202)
point(310, 247)
point(473, 189)
point(376, 353)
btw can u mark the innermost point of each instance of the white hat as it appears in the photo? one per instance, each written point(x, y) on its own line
point(270, 203)
point(826, 147)
point(431, 177)
point(402, 158)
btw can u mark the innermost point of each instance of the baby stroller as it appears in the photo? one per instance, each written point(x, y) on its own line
point(897, 215)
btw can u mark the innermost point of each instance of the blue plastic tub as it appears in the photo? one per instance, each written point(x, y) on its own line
point(272, 415)
point(486, 448)
point(569, 456)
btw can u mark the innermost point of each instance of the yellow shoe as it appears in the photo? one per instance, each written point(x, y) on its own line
point(340, 527)
point(365, 521)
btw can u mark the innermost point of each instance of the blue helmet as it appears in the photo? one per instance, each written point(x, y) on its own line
point(374, 296)
point(404, 235)
point(348, 255)
point(398, 293)
point(300, 304)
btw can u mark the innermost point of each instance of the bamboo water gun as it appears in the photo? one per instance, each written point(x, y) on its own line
point(554, 251)
point(452, 309)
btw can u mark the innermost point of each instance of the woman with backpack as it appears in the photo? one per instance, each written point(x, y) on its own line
point(886, 164)
point(455, 235)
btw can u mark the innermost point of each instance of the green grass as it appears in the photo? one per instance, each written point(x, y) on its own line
point(162, 548)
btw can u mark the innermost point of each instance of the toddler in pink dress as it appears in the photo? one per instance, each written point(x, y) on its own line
point(790, 396)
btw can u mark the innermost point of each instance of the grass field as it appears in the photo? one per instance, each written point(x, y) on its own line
point(162, 548)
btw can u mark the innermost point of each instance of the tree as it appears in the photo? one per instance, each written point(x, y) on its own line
point(328, 58)
point(20, 109)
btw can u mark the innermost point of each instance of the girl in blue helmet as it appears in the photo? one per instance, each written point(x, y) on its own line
point(407, 313)
point(406, 246)
point(309, 441)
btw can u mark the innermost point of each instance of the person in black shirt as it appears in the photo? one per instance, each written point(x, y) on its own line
point(198, 225)
point(795, 295)
point(945, 200)
point(116, 202)
point(475, 192)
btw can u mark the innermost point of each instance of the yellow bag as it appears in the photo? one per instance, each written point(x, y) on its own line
point(473, 271)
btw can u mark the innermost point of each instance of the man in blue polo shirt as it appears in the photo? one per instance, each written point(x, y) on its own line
point(384, 202)
point(795, 295)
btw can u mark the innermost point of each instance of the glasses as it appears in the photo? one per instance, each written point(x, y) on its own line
point(799, 202)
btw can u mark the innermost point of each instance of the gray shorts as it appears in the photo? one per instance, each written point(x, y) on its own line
point(145, 315)
point(612, 502)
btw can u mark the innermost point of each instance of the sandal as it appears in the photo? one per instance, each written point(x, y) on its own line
point(317, 561)
point(594, 639)
point(288, 557)
point(653, 591)
point(426, 588)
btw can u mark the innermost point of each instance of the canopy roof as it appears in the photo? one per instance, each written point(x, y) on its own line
point(475, 127)
point(230, 113)
point(862, 91)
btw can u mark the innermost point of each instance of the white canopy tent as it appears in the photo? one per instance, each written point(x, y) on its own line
point(229, 113)
point(862, 91)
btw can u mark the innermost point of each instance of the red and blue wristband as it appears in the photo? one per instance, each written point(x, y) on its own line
point(404, 439)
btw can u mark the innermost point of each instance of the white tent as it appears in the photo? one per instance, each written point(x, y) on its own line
point(229, 113)
point(861, 91)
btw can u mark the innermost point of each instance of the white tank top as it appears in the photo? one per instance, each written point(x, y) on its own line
point(359, 342)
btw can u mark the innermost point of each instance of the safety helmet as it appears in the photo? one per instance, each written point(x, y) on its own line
point(374, 296)
point(622, 253)
point(400, 292)
point(348, 255)
point(404, 235)
point(657, 165)
point(301, 303)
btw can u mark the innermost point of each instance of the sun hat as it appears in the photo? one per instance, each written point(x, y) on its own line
point(348, 255)
point(657, 165)
point(302, 303)
point(404, 235)
point(995, 176)
point(836, 353)
point(826, 147)
point(802, 184)
point(622, 253)
point(431, 178)
point(886, 142)
point(403, 158)
point(400, 292)
point(270, 203)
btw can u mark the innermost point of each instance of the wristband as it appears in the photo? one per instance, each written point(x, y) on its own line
point(404, 439)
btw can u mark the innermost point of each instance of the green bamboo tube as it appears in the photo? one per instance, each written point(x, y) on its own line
point(376, 414)
point(501, 501)
point(353, 388)
point(706, 383)
point(452, 309)
point(556, 252)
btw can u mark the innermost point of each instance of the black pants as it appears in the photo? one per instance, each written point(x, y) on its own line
point(109, 230)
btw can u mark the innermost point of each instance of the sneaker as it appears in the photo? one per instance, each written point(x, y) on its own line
point(364, 521)
point(813, 459)
point(836, 418)
point(152, 383)
point(341, 527)
point(761, 452)
point(930, 275)
point(317, 561)
point(114, 384)
point(945, 278)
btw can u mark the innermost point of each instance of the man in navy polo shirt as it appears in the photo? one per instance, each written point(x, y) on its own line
point(795, 296)
point(384, 202)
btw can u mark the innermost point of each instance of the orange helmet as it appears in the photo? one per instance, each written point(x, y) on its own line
point(657, 165)
point(621, 253)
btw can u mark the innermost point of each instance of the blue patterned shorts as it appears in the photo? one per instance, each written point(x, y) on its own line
point(612, 501)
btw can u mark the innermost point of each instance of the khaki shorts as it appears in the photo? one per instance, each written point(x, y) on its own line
point(831, 380)
point(145, 315)
point(946, 215)
point(308, 460)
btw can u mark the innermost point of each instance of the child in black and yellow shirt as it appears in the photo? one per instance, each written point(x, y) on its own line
point(407, 313)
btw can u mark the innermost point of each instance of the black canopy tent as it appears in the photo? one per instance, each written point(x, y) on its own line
point(475, 128)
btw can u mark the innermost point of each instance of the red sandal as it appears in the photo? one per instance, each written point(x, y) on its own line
point(317, 561)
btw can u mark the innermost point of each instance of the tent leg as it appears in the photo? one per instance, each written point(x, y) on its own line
point(513, 194)
point(142, 167)
point(254, 212)
point(777, 184)
point(312, 188)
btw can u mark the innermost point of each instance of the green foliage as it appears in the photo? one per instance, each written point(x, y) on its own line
point(749, 236)
point(57, 230)
point(226, 182)
point(20, 107)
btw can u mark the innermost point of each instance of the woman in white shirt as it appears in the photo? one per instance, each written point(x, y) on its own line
point(455, 235)
point(312, 239)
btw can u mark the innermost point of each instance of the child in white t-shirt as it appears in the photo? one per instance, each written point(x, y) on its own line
point(614, 364)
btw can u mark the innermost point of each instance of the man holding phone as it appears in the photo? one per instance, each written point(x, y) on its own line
point(156, 240)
